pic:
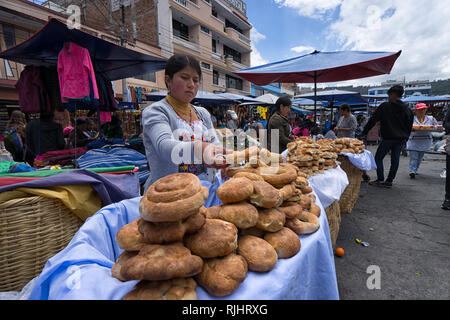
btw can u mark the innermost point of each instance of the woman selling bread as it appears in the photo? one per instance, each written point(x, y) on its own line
point(180, 137)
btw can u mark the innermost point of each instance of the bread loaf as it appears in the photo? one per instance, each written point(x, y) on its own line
point(173, 289)
point(243, 215)
point(285, 242)
point(129, 238)
point(259, 254)
point(235, 190)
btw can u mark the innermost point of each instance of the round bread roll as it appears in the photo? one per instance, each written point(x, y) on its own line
point(305, 202)
point(216, 238)
point(265, 195)
point(290, 209)
point(213, 212)
point(278, 176)
point(173, 289)
point(285, 242)
point(253, 231)
point(166, 232)
point(288, 191)
point(315, 209)
point(243, 215)
point(222, 276)
point(296, 197)
point(230, 172)
point(301, 182)
point(271, 220)
point(129, 238)
point(309, 223)
point(306, 189)
point(235, 190)
point(172, 198)
point(248, 175)
point(117, 267)
point(161, 262)
point(259, 254)
point(312, 196)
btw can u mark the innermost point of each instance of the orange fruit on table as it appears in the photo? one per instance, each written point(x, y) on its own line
point(339, 252)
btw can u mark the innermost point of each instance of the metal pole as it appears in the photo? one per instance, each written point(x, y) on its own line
point(315, 96)
point(122, 43)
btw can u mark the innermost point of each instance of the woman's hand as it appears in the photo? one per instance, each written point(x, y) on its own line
point(213, 156)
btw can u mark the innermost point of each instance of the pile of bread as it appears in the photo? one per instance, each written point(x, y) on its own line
point(177, 243)
point(313, 157)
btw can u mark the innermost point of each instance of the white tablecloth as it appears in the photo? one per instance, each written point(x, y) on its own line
point(329, 186)
point(364, 161)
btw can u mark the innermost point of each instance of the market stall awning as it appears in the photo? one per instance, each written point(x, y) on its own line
point(335, 96)
point(109, 59)
point(322, 66)
point(202, 97)
point(425, 99)
point(238, 97)
point(299, 110)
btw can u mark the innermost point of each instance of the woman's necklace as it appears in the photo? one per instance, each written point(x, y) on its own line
point(183, 110)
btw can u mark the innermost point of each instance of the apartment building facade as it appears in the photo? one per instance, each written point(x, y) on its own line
point(216, 32)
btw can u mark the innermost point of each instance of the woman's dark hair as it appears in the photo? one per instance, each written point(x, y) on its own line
point(285, 101)
point(180, 61)
point(345, 107)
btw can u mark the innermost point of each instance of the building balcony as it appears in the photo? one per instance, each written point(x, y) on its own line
point(238, 65)
point(186, 43)
point(238, 37)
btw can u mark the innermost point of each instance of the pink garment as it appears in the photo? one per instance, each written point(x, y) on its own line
point(74, 71)
point(105, 116)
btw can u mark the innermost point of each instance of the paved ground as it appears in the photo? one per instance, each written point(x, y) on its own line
point(408, 233)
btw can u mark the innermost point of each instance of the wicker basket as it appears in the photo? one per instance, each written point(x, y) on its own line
point(32, 230)
point(334, 221)
point(351, 193)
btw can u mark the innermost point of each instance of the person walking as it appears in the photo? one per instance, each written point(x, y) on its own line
point(420, 140)
point(347, 123)
point(279, 121)
point(446, 124)
point(396, 120)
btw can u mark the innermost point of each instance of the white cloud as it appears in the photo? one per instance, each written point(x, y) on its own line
point(417, 27)
point(302, 49)
point(255, 57)
point(311, 8)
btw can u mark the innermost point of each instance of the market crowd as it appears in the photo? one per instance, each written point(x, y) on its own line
point(174, 127)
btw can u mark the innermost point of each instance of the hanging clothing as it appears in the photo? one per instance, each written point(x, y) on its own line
point(50, 78)
point(33, 96)
point(421, 140)
point(105, 116)
point(75, 69)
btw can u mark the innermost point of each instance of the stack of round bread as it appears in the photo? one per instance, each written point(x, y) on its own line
point(311, 157)
point(349, 145)
point(154, 252)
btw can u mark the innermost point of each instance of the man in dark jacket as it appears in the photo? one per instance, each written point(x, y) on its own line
point(44, 135)
point(446, 204)
point(279, 121)
point(396, 120)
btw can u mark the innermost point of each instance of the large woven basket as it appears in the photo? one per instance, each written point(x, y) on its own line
point(32, 230)
point(350, 196)
point(334, 221)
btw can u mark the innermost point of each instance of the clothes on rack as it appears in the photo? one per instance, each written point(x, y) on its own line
point(76, 73)
point(33, 95)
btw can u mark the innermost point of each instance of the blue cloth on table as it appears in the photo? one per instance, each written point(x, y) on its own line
point(115, 157)
point(363, 161)
point(111, 188)
point(77, 271)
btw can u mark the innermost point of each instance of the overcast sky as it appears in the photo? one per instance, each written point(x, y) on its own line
point(420, 28)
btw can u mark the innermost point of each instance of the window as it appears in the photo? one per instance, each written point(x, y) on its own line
point(9, 35)
point(227, 51)
point(214, 12)
point(215, 77)
point(180, 30)
point(147, 77)
point(214, 48)
point(234, 83)
point(259, 92)
point(206, 65)
point(205, 29)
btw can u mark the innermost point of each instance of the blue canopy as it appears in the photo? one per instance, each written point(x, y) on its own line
point(202, 97)
point(425, 99)
point(238, 97)
point(338, 97)
point(109, 59)
point(300, 110)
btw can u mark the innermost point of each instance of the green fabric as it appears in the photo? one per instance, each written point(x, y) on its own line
point(5, 165)
point(47, 173)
